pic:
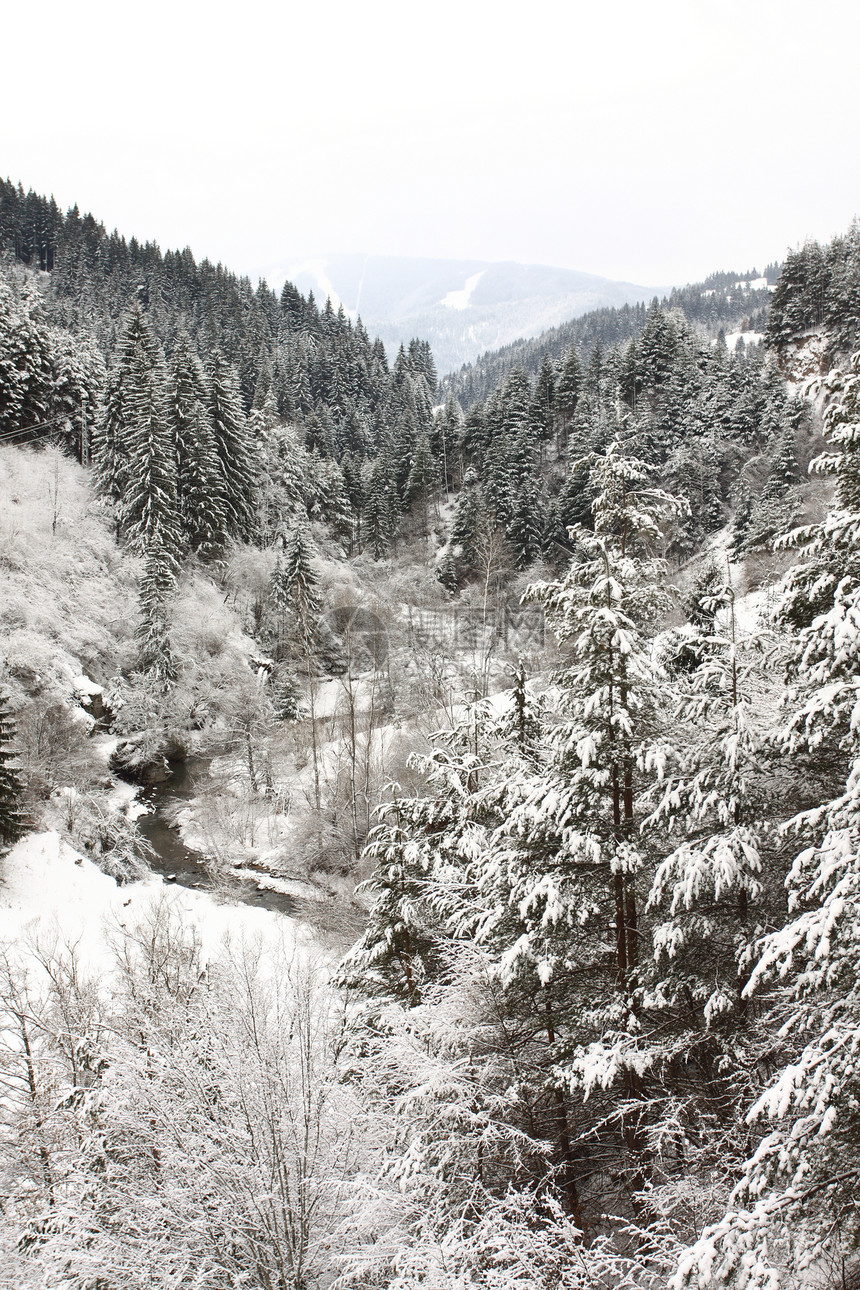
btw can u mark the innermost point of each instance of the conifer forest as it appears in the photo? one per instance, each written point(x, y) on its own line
point(429, 801)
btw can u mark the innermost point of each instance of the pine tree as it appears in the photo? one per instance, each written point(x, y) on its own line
point(200, 481)
point(148, 509)
point(295, 595)
point(110, 447)
point(543, 401)
point(392, 957)
point(137, 437)
point(470, 515)
point(12, 820)
point(295, 586)
point(567, 395)
point(419, 485)
point(525, 531)
point(157, 588)
point(380, 508)
point(287, 697)
point(26, 375)
point(234, 447)
point(798, 1191)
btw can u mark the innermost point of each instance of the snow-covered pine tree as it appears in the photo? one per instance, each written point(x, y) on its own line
point(26, 374)
point(148, 509)
point(569, 855)
point(542, 411)
point(139, 442)
point(157, 587)
point(331, 502)
point(381, 507)
point(234, 446)
point(797, 1203)
point(200, 483)
point(78, 379)
point(110, 447)
point(470, 519)
point(421, 482)
point(718, 802)
point(12, 819)
point(287, 698)
point(295, 596)
point(567, 396)
point(295, 587)
point(392, 957)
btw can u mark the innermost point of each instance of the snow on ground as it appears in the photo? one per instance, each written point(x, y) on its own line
point(331, 697)
point(460, 299)
point(124, 800)
point(748, 338)
point(48, 888)
point(84, 688)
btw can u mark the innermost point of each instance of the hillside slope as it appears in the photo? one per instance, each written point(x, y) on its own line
point(724, 302)
point(462, 307)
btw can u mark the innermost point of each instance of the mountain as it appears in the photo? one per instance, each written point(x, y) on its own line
point(462, 307)
point(727, 302)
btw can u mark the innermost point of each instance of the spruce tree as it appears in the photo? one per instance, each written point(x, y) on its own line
point(798, 1189)
point(12, 820)
point(148, 509)
point(157, 588)
point(200, 483)
point(234, 447)
point(419, 485)
point(567, 394)
point(110, 447)
point(381, 508)
point(543, 401)
point(295, 586)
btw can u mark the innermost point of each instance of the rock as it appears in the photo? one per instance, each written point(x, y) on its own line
point(28, 678)
point(142, 766)
point(174, 747)
point(90, 696)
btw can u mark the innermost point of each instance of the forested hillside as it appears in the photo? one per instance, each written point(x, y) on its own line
point(724, 302)
point(717, 427)
point(293, 361)
point(540, 709)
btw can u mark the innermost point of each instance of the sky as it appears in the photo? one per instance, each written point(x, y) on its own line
point(652, 141)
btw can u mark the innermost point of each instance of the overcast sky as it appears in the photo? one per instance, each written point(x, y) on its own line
point(652, 141)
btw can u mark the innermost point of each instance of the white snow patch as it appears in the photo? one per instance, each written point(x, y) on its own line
point(334, 696)
point(124, 801)
point(84, 687)
point(748, 337)
point(460, 299)
point(104, 746)
point(47, 888)
point(751, 610)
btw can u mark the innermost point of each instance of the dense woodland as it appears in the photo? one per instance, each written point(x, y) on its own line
point(599, 1024)
point(724, 302)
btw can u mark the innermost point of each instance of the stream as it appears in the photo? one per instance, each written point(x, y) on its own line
point(175, 861)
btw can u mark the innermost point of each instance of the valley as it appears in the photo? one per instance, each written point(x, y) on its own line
point(428, 814)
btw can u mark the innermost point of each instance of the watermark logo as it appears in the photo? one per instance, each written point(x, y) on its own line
point(368, 633)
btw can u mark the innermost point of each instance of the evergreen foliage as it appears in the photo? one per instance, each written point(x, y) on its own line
point(235, 453)
point(200, 479)
point(12, 819)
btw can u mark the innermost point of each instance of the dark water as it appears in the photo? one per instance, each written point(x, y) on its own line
point(177, 862)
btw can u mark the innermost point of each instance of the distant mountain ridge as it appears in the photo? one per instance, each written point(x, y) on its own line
point(462, 307)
